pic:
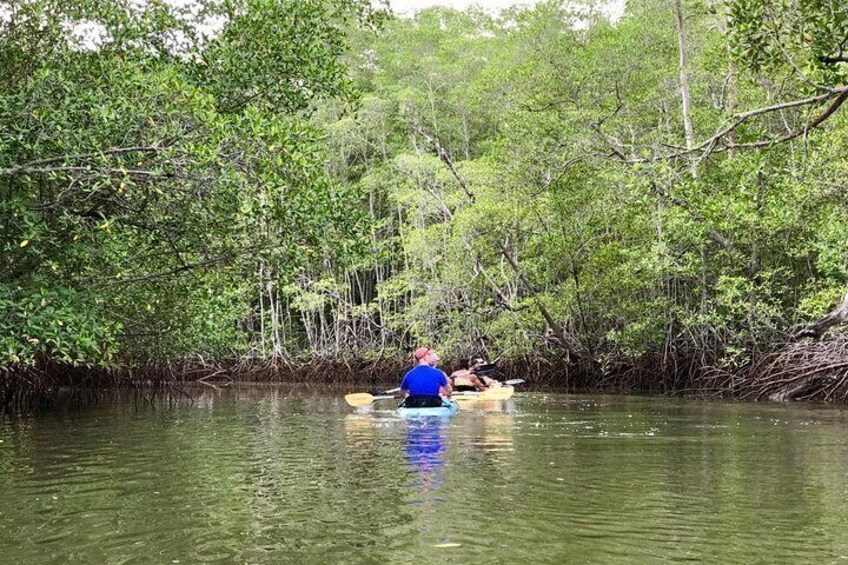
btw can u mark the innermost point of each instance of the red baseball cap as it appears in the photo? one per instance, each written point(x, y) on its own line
point(422, 352)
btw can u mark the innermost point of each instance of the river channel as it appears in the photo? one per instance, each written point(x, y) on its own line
point(266, 474)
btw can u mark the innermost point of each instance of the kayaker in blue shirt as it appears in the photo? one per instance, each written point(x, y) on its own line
point(425, 385)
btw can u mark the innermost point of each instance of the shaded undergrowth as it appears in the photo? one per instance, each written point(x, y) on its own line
point(806, 370)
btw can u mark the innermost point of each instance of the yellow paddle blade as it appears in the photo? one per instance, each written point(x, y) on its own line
point(359, 399)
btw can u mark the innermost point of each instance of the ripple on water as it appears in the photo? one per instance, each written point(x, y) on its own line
point(248, 478)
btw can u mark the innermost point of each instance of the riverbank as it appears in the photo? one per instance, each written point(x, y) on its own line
point(813, 371)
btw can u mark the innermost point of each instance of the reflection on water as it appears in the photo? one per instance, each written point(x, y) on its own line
point(425, 452)
point(272, 475)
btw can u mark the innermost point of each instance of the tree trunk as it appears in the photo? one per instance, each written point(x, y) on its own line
point(262, 305)
point(684, 80)
point(730, 95)
point(833, 318)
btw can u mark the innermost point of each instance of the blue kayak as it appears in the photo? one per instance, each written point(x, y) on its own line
point(448, 408)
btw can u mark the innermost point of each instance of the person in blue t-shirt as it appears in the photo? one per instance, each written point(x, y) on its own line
point(424, 384)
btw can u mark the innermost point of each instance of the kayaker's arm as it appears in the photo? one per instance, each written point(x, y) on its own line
point(446, 389)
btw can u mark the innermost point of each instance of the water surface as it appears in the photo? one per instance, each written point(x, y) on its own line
point(278, 475)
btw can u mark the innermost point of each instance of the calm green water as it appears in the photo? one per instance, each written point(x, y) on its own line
point(272, 475)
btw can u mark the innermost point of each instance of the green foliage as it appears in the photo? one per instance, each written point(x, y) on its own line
point(537, 109)
point(267, 190)
point(147, 168)
point(279, 55)
point(54, 323)
point(809, 36)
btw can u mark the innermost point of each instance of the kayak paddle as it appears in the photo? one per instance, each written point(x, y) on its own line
point(360, 399)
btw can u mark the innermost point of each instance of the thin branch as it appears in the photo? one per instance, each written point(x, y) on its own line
point(546, 106)
point(38, 163)
point(446, 159)
point(120, 171)
point(225, 256)
point(697, 216)
point(803, 131)
point(172, 272)
point(614, 145)
point(709, 145)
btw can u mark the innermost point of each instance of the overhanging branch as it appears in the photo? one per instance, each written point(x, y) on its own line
point(833, 318)
point(38, 165)
point(837, 96)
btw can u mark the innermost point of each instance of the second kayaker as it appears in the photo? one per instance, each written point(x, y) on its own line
point(424, 384)
point(465, 379)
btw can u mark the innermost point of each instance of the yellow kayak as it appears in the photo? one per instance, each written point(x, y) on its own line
point(494, 393)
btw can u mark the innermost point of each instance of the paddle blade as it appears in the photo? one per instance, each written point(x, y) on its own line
point(359, 399)
point(485, 370)
point(514, 382)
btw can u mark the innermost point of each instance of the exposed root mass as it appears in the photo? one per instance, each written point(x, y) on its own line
point(805, 370)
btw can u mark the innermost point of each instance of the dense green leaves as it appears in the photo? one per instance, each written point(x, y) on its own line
point(568, 131)
point(809, 37)
point(147, 171)
point(234, 178)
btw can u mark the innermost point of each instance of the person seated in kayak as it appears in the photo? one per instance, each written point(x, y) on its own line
point(482, 369)
point(465, 379)
point(425, 385)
